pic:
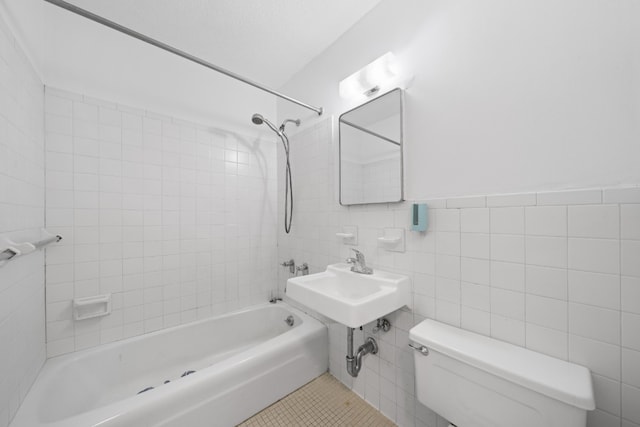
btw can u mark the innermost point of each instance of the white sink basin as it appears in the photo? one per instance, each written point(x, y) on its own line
point(350, 298)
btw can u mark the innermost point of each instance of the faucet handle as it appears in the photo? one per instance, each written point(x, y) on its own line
point(359, 264)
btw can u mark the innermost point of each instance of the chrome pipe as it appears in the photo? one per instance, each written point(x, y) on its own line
point(354, 363)
point(120, 28)
point(351, 368)
point(350, 342)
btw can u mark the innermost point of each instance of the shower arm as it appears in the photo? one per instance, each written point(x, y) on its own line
point(115, 26)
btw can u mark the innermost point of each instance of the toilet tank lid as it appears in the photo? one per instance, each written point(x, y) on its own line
point(555, 378)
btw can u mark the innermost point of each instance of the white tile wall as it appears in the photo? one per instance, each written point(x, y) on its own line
point(22, 327)
point(554, 272)
point(175, 220)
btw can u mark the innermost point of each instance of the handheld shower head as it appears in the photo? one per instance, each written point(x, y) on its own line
point(257, 119)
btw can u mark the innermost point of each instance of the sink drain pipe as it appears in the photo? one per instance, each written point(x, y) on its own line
point(354, 363)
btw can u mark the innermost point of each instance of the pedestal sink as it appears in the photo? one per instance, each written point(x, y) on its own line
point(350, 298)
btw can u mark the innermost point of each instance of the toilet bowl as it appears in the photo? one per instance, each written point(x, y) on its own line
point(476, 381)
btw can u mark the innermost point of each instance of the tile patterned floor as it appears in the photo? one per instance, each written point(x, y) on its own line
point(324, 401)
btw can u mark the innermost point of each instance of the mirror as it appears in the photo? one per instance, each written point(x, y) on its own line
point(371, 151)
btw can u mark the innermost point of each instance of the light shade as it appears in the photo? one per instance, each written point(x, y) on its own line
point(373, 77)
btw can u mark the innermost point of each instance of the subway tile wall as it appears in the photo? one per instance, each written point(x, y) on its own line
point(175, 220)
point(22, 327)
point(556, 272)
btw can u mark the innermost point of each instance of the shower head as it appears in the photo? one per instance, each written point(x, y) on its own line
point(257, 119)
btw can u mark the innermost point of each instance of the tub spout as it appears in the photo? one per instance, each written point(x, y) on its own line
point(354, 363)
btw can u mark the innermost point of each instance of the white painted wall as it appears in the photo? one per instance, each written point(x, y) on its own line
point(22, 326)
point(26, 20)
point(507, 97)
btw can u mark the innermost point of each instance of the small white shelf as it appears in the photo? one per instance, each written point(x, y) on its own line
point(389, 240)
point(345, 235)
point(349, 235)
point(90, 307)
point(393, 240)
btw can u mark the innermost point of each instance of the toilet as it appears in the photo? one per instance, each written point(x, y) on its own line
point(476, 381)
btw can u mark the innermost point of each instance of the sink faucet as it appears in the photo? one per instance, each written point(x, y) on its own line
point(359, 264)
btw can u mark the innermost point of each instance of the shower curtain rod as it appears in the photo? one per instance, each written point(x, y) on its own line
point(115, 26)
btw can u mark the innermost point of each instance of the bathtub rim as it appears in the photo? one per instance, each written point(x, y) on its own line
point(76, 355)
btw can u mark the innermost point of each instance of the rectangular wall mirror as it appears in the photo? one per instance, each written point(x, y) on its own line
point(371, 151)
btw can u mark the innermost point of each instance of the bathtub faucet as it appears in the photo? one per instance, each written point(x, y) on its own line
point(304, 268)
point(291, 264)
point(359, 264)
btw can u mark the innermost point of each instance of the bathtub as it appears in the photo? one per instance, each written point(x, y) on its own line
point(243, 362)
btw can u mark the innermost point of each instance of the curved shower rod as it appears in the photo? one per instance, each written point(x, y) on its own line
point(115, 26)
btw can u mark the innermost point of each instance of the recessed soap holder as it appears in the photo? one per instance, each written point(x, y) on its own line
point(349, 235)
point(90, 307)
point(393, 240)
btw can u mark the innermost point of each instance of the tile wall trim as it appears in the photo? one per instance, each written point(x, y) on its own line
point(578, 196)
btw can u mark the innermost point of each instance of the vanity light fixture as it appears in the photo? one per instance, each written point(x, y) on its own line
point(372, 78)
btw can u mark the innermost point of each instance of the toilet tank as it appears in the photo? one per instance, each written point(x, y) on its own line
point(476, 381)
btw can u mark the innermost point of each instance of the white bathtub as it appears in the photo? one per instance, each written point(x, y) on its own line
point(244, 361)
